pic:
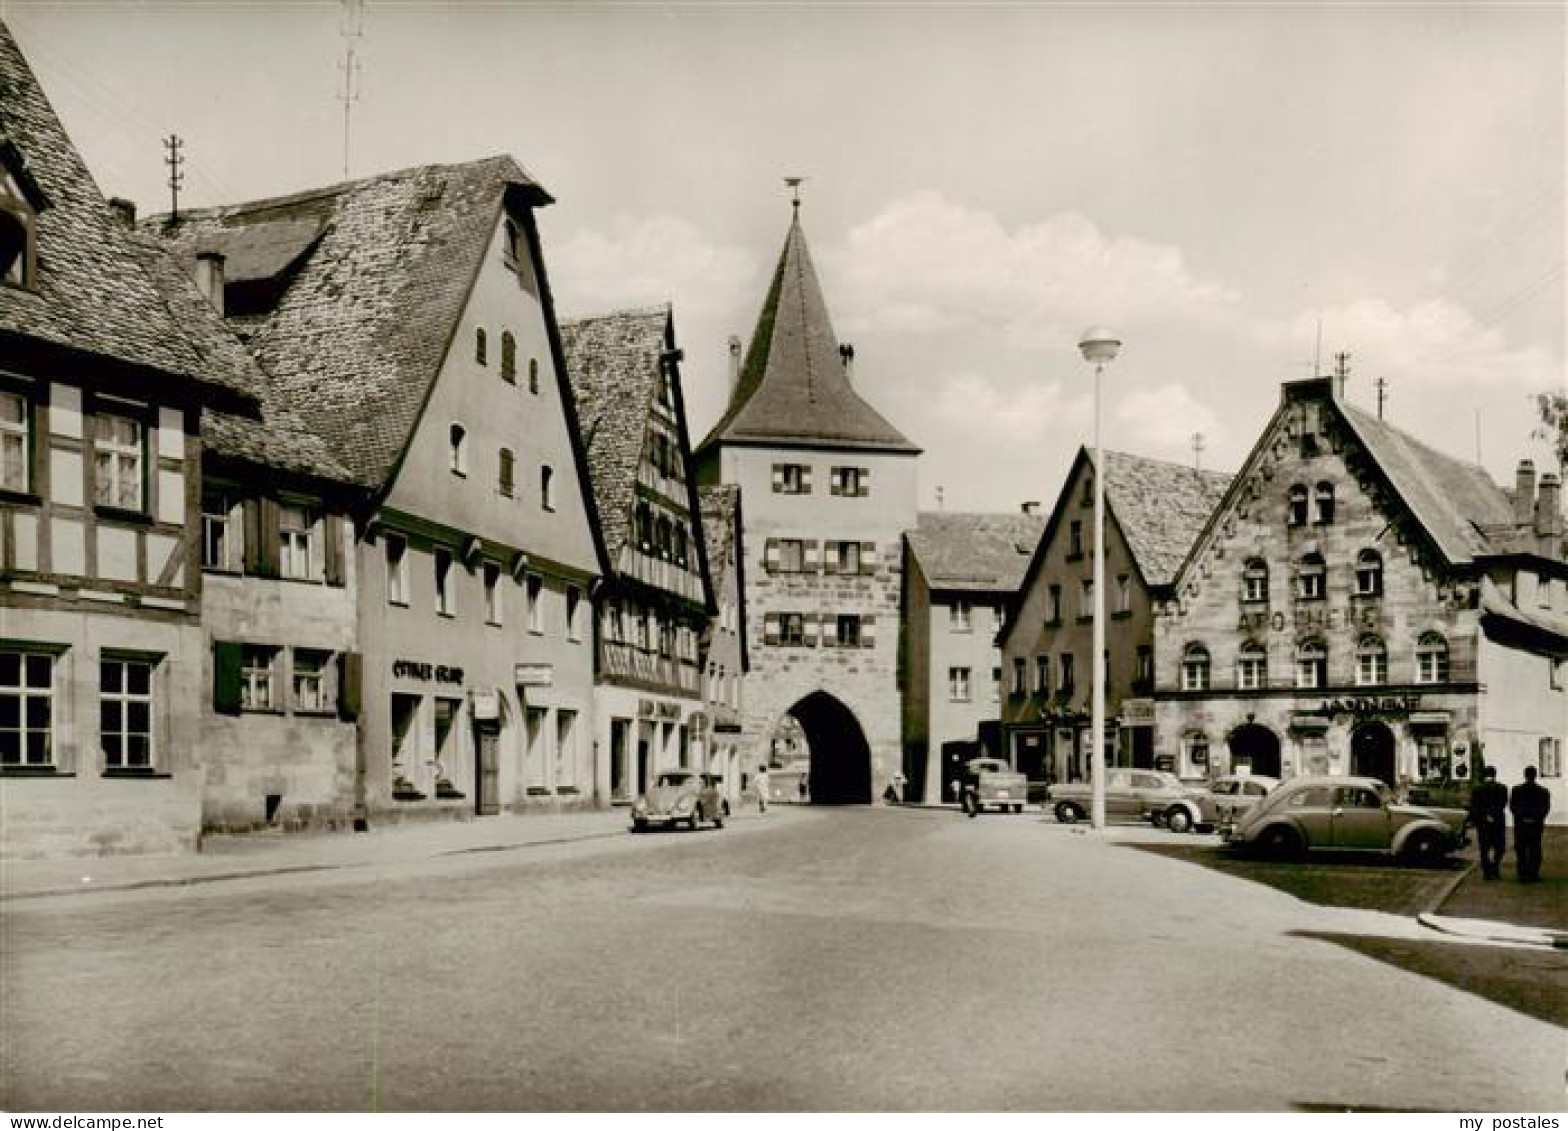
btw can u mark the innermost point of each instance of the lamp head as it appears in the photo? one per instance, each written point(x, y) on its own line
point(1099, 345)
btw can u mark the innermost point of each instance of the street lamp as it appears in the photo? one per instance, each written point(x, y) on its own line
point(1099, 347)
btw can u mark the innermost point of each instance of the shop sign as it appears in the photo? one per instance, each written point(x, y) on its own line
point(533, 675)
point(1311, 620)
point(1369, 705)
point(1137, 712)
point(414, 669)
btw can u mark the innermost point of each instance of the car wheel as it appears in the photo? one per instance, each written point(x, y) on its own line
point(639, 826)
point(1425, 849)
point(1178, 820)
point(1068, 813)
point(1281, 842)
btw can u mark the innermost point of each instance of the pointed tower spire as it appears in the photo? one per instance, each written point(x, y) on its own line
point(793, 387)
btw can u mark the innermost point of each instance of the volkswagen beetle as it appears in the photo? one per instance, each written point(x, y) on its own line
point(680, 797)
point(1348, 814)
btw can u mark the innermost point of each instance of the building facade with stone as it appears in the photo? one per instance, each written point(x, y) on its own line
point(1153, 511)
point(1360, 603)
point(101, 398)
point(960, 573)
point(656, 599)
point(407, 319)
point(829, 490)
point(725, 654)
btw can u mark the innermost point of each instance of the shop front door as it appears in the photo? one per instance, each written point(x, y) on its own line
point(487, 769)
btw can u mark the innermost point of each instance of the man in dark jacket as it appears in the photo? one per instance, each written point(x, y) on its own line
point(1529, 803)
point(1489, 815)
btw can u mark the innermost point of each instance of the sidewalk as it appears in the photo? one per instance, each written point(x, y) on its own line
point(1504, 909)
point(268, 854)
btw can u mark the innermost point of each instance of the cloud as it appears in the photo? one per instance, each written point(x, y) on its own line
point(982, 410)
point(928, 266)
point(1436, 344)
point(1161, 421)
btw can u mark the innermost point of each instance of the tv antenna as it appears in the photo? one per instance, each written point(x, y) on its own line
point(175, 160)
point(351, 26)
point(1382, 395)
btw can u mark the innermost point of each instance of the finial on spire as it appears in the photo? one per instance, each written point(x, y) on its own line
point(794, 184)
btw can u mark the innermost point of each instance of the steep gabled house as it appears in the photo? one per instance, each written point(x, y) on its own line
point(725, 656)
point(1362, 603)
point(829, 487)
point(1153, 511)
point(960, 573)
point(101, 398)
point(407, 320)
point(657, 599)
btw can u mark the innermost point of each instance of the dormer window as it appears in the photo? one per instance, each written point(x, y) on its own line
point(19, 206)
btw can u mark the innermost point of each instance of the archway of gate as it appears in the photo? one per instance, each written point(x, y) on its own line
point(840, 756)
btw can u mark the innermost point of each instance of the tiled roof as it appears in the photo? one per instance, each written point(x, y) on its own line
point(271, 437)
point(91, 292)
point(1160, 507)
point(983, 552)
point(1457, 503)
point(613, 363)
point(792, 387)
point(381, 270)
point(719, 504)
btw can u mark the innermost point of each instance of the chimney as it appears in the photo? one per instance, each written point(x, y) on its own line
point(1030, 507)
point(734, 362)
point(209, 277)
point(846, 357)
point(1524, 494)
point(1549, 516)
point(124, 210)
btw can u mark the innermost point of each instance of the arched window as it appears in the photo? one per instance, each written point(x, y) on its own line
point(1311, 664)
point(1298, 505)
point(1371, 662)
point(457, 449)
point(508, 357)
point(547, 487)
point(508, 472)
point(1310, 578)
point(481, 347)
point(1195, 668)
point(1252, 667)
point(1432, 658)
point(1255, 581)
point(1369, 573)
point(1324, 497)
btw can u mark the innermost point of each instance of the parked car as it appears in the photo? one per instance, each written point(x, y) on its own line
point(681, 797)
point(1351, 814)
point(1225, 801)
point(990, 783)
point(1130, 795)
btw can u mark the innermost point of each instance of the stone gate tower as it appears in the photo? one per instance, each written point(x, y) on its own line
point(827, 488)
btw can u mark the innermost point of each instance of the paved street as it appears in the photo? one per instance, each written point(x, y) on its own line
point(811, 959)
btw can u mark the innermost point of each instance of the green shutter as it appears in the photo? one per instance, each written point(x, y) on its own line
point(227, 679)
point(350, 678)
point(334, 560)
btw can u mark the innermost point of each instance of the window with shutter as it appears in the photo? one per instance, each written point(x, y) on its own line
point(868, 631)
point(333, 539)
point(770, 628)
point(868, 557)
point(227, 684)
point(865, 482)
point(813, 555)
point(770, 555)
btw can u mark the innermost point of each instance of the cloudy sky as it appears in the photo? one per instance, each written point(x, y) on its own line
point(1213, 181)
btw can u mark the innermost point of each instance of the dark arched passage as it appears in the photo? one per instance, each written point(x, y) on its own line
point(1255, 746)
point(1372, 752)
point(840, 755)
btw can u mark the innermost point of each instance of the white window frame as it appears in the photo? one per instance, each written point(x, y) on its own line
point(534, 589)
point(121, 480)
point(494, 595)
point(1196, 668)
point(444, 567)
point(397, 570)
point(1433, 659)
point(26, 689)
point(1371, 663)
point(297, 543)
point(259, 677)
point(16, 443)
point(307, 682)
point(219, 523)
point(1255, 582)
point(126, 699)
point(1252, 669)
point(958, 684)
point(1311, 666)
point(960, 615)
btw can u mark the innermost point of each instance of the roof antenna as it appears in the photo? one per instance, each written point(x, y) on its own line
point(174, 160)
point(351, 27)
point(1382, 395)
point(794, 184)
point(1197, 451)
point(939, 498)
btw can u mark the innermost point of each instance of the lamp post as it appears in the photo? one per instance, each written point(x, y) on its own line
point(1099, 347)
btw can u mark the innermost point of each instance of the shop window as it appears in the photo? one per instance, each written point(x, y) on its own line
point(1311, 665)
point(297, 543)
point(16, 420)
point(397, 570)
point(493, 593)
point(1311, 577)
point(1434, 762)
point(258, 674)
point(480, 346)
point(1369, 573)
point(446, 735)
point(1195, 668)
point(508, 357)
point(222, 544)
point(1323, 497)
point(118, 450)
point(958, 684)
point(446, 584)
point(26, 710)
point(125, 714)
point(1298, 505)
point(1255, 582)
point(959, 615)
point(1252, 668)
point(1371, 662)
point(312, 681)
point(457, 449)
point(1431, 659)
point(535, 764)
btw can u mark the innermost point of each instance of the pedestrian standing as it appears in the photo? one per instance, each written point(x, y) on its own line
point(1529, 803)
point(762, 788)
point(1489, 815)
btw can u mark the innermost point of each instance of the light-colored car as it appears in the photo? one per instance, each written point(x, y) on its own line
point(990, 783)
point(1227, 799)
point(1130, 795)
point(680, 797)
point(1348, 814)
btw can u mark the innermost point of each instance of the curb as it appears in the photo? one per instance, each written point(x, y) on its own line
point(1485, 930)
